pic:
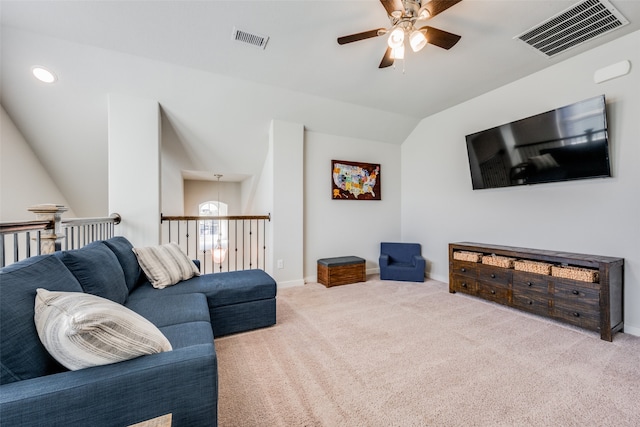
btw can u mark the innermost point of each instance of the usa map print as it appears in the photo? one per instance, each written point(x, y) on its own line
point(355, 181)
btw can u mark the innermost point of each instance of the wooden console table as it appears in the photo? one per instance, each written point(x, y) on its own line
point(596, 306)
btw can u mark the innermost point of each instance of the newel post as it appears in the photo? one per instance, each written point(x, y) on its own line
point(49, 239)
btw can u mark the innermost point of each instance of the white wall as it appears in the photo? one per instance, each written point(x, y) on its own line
point(286, 143)
point(173, 160)
point(196, 192)
point(596, 216)
point(261, 201)
point(134, 167)
point(347, 227)
point(23, 180)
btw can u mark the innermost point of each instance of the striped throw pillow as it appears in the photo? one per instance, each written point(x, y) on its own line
point(165, 265)
point(82, 330)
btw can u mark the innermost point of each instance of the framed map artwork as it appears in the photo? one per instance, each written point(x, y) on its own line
point(355, 181)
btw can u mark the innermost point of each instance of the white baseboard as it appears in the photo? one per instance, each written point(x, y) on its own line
point(438, 278)
point(631, 330)
point(291, 283)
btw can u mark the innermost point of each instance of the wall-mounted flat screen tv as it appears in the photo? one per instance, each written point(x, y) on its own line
point(567, 143)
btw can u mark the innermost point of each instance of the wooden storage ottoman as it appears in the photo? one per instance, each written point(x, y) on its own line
point(341, 270)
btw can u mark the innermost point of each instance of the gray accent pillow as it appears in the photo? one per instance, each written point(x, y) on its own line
point(82, 330)
point(165, 265)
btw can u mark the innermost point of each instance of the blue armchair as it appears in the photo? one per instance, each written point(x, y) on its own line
point(401, 261)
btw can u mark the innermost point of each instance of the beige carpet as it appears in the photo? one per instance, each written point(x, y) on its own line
point(385, 353)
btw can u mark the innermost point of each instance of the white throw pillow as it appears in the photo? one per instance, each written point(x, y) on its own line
point(165, 265)
point(82, 330)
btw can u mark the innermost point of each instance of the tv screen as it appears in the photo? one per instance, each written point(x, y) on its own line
point(567, 143)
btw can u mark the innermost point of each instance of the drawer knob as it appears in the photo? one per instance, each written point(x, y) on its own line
point(493, 276)
point(576, 314)
point(530, 302)
point(529, 284)
point(493, 291)
point(463, 269)
point(464, 285)
point(576, 293)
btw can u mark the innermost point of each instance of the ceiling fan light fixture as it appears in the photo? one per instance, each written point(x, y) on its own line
point(396, 38)
point(423, 13)
point(417, 40)
point(398, 52)
point(403, 17)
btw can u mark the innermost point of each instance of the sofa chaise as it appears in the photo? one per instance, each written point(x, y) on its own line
point(37, 390)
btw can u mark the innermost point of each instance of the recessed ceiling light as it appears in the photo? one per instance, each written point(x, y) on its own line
point(43, 74)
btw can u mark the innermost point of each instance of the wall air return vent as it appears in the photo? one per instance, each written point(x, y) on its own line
point(256, 40)
point(574, 26)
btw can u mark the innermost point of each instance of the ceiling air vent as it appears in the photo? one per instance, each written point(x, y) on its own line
point(256, 40)
point(574, 26)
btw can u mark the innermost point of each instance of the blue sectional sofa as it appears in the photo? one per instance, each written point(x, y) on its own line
point(35, 390)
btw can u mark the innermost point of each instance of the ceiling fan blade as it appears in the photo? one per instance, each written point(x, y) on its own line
point(392, 5)
point(387, 59)
point(360, 36)
point(438, 6)
point(440, 38)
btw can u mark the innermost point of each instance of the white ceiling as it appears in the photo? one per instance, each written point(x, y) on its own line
point(219, 95)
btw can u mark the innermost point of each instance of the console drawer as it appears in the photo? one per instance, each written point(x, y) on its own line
point(530, 282)
point(494, 274)
point(494, 292)
point(465, 268)
point(573, 292)
point(533, 302)
point(460, 283)
point(583, 316)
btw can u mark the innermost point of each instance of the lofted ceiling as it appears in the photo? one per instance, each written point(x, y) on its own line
point(219, 95)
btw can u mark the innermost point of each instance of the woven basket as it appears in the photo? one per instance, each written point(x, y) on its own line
point(498, 261)
point(532, 266)
point(576, 273)
point(467, 256)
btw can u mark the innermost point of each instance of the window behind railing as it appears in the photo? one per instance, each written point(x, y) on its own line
point(242, 238)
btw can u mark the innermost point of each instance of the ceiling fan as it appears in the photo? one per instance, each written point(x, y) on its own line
point(403, 15)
